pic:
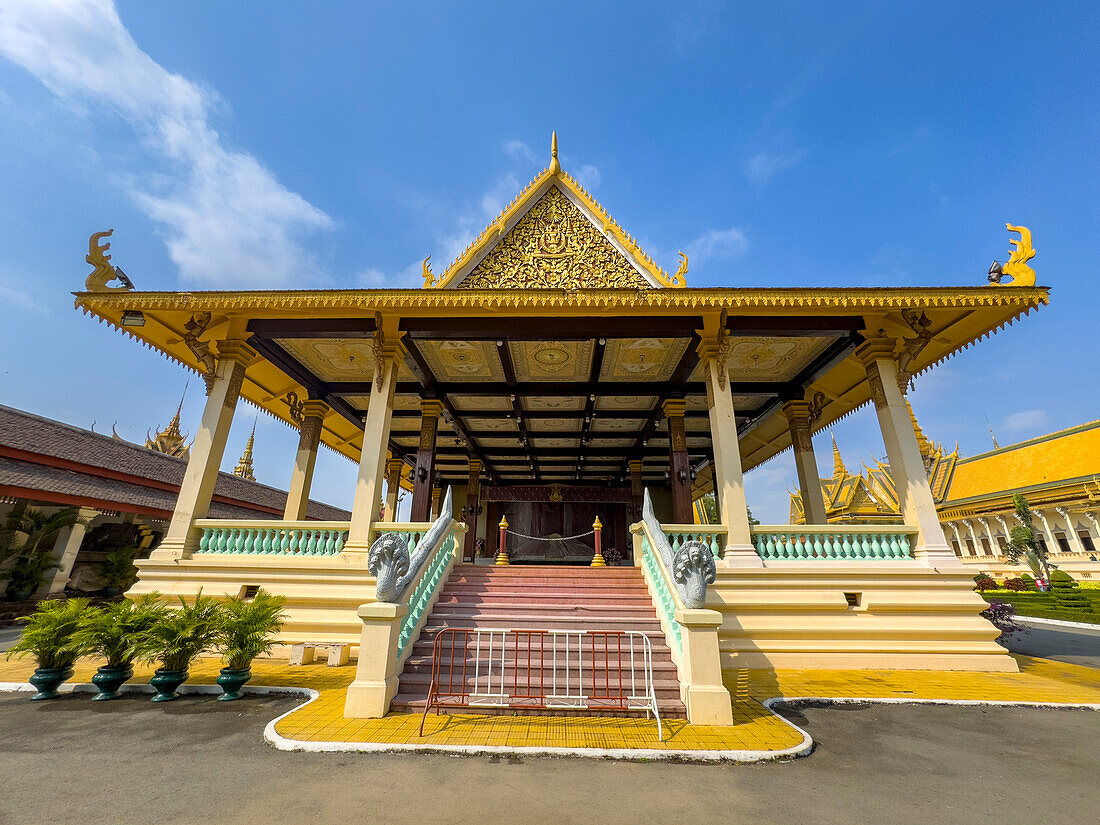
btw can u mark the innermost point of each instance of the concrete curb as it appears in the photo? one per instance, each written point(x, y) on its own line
point(803, 748)
point(1055, 622)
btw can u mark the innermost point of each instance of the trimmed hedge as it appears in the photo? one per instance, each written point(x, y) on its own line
point(1084, 608)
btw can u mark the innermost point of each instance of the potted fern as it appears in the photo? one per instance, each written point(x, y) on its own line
point(247, 630)
point(50, 637)
point(117, 571)
point(175, 639)
point(113, 632)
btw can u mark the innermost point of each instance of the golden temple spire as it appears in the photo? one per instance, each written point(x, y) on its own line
point(170, 440)
point(839, 470)
point(555, 167)
point(244, 466)
point(996, 446)
point(926, 448)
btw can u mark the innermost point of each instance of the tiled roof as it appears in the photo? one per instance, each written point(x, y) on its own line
point(44, 437)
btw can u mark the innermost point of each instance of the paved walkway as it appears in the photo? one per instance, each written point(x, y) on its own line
point(131, 762)
point(757, 732)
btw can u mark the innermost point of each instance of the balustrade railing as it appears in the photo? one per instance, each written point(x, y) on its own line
point(712, 535)
point(266, 538)
point(664, 592)
point(833, 542)
point(422, 594)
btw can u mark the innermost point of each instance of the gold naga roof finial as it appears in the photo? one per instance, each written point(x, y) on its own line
point(104, 272)
point(426, 271)
point(680, 278)
point(1016, 268)
point(555, 167)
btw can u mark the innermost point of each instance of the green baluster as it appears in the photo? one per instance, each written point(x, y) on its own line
point(846, 546)
point(311, 545)
point(818, 551)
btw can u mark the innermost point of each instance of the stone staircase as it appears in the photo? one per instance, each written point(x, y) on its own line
point(530, 597)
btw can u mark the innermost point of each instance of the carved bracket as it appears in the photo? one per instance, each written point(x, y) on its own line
point(193, 331)
point(297, 414)
point(921, 324)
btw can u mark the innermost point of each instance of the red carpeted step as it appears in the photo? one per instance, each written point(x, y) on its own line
point(532, 597)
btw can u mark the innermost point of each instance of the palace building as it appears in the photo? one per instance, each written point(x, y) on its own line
point(566, 390)
point(1059, 475)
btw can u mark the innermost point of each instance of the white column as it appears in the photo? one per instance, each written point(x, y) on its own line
point(372, 459)
point(206, 451)
point(729, 484)
point(1075, 540)
point(301, 479)
point(394, 468)
point(1091, 516)
point(918, 508)
point(809, 479)
point(1052, 543)
point(973, 537)
point(994, 548)
point(958, 539)
point(65, 549)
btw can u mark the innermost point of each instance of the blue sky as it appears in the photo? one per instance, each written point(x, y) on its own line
point(249, 145)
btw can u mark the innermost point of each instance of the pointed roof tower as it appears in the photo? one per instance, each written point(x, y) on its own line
point(244, 466)
point(554, 235)
point(170, 440)
point(839, 470)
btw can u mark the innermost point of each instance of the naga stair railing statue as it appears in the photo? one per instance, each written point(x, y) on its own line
point(677, 578)
point(410, 565)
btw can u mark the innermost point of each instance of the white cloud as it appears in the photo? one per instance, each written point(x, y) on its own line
point(1026, 420)
point(228, 221)
point(589, 176)
point(409, 277)
point(19, 298)
point(765, 164)
point(519, 150)
point(718, 244)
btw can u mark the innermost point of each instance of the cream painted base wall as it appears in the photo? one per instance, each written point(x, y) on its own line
point(323, 593)
point(795, 615)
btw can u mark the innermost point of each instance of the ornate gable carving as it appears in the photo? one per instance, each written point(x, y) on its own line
point(554, 246)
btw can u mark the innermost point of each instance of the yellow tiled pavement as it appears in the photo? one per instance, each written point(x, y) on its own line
point(755, 728)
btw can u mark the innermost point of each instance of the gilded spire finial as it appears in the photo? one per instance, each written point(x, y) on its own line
point(839, 470)
point(992, 435)
point(170, 440)
point(555, 167)
point(244, 466)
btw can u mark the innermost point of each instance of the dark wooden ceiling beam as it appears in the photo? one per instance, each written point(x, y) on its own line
point(312, 327)
point(793, 326)
point(550, 328)
point(423, 372)
point(509, 370)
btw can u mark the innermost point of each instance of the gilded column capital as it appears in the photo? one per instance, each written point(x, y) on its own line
point(475, 466)
point(237, 350)
point(673, 407)
point(315, 409)
point(874, 349)
point(431, 408)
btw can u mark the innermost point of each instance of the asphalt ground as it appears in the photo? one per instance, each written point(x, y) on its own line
point(1077, 646)
point(199, 761)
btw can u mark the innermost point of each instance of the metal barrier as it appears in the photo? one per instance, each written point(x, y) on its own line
point(542, 670)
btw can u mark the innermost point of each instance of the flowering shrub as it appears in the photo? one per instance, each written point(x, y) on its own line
point(983, 582)
point(1000, 615)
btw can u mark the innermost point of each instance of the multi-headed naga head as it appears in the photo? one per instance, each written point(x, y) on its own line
point(693, 569)
point(388, 560)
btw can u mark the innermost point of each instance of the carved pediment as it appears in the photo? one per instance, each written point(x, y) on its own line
point(554, 246)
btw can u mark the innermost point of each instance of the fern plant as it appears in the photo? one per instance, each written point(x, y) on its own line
point(50, 634)
point(181, 633)
point(115, 630)
point(117, 569)
point(248, 628)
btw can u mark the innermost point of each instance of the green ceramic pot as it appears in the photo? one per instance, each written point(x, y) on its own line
point(166, 682)
point(48, 679)
point(231, 681)
point(109, 680)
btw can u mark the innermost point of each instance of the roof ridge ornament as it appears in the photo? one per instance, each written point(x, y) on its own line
point(680, 278)
point(555, 166)
point(104, 272)
point(1016, 268)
